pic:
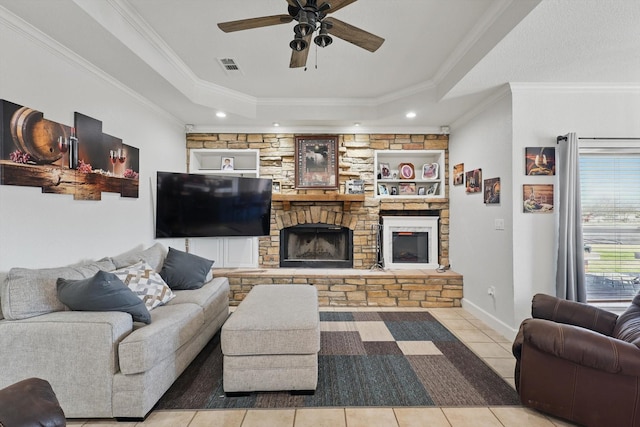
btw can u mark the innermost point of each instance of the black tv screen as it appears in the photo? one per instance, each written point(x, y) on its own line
point(193, 205)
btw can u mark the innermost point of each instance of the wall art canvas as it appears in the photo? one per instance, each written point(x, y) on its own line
point(540, 160)
point(458, 174)
point(492, 191)
point(61, 159)
point(537, 198)
point(474, 181)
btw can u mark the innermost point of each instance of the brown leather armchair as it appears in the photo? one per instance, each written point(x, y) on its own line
point(30, 403)
point(579, 362)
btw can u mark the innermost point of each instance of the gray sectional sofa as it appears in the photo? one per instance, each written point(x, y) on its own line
point(103, 364)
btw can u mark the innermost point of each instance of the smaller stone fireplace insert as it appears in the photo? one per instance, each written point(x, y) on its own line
point(316, 246)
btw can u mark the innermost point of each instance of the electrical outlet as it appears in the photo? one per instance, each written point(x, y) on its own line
point(499, 224)
point(491, 290)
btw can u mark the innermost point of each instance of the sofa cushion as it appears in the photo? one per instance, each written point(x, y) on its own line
point(146, 284)
point(628, 324)
point(171, 328)
point(154, 256)
point(182, 270)
point(212, 297)
point(102, 292)
point(32, 292)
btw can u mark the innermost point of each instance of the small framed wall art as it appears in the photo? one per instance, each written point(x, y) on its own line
point(458, 174)
point(474, 181)
point(316, 162)
point(540, 160)
point(492, 191)
point(537, 198)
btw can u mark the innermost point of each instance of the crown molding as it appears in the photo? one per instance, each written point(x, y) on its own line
point(37, 37)
point(122, 20)
point(521, 87)
point(501, 92)
point(340, 130)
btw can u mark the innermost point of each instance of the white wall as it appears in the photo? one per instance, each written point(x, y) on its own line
point(520, 261)
point(482, 254)
point(540, 114)
point(40, 230)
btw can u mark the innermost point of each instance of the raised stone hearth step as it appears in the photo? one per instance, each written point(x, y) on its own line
point(345, 287)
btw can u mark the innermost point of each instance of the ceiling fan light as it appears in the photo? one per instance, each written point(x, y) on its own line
point(323, 40)
point(298, 44)
point(304, 25)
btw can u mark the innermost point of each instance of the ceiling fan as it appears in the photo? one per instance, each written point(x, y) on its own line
point(310, 17)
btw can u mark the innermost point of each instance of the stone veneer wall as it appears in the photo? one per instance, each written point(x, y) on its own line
point(277, 153)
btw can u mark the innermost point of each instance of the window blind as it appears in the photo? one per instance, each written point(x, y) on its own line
point(610, 191)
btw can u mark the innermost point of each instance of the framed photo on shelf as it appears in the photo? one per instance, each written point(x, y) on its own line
point(354, 186)
point(430, 171)
point(226, 164)
point(316, 162)
point(382, 190)
point(394, 191)
point(407, 171)
point(385, 172)
point(422, 191)
point(408, 188)
point(432, 189)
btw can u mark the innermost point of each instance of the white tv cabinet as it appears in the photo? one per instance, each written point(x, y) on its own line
point(227, 252)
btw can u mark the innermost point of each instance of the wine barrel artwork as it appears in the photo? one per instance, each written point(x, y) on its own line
point(36, 136)
point(37, 152)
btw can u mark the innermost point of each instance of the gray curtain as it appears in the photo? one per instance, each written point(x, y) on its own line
point(570, 278)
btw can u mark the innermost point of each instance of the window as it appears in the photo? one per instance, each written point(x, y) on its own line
point(610, 190)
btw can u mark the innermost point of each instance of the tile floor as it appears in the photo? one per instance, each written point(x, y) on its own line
point(494, 349)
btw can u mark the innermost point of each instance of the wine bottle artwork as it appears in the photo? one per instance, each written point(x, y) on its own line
point(73, 150)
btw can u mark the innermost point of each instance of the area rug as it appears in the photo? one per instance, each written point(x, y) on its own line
point(378, 359)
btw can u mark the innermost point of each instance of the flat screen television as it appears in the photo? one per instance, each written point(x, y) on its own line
point(193, 205)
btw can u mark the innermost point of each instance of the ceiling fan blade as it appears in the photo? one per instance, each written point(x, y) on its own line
point(247, 24)
point(294, 3)
point(339, 4)
point(299, 58)
point(355, 35)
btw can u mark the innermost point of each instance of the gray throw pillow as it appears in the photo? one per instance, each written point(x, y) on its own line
point(102, 292)
point(182, 270)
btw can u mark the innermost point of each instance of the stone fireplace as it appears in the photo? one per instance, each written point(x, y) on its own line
point(316, 246)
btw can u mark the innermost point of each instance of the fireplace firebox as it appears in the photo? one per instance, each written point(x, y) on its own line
point(410, 242)
point(316, 246)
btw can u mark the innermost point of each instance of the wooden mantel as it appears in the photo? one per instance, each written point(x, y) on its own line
point(346, 199)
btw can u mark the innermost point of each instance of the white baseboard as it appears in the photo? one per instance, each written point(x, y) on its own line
point(495, 323)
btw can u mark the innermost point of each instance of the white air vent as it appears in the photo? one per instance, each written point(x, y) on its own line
point(229, 66)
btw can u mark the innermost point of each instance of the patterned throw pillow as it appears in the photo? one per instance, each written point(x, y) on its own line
point(142, 279)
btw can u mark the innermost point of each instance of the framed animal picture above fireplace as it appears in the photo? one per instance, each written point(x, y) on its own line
point(317, 162)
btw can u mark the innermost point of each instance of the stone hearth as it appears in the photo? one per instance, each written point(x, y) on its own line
point(355, 287)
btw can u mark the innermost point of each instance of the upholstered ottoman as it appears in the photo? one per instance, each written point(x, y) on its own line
point(271, 341)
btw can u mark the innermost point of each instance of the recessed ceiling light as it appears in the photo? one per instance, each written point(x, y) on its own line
point(221, 114)
point(410, 115)
point(356, 124)
point(276, 124)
